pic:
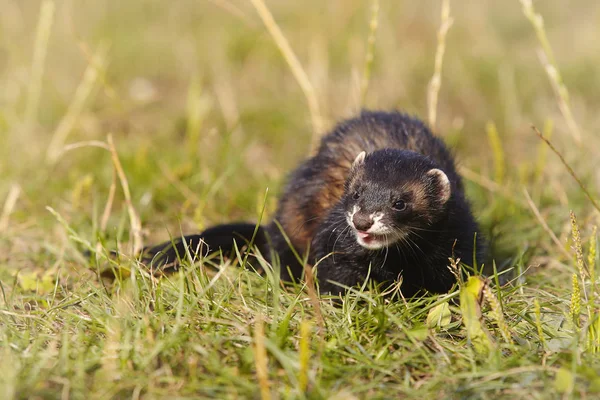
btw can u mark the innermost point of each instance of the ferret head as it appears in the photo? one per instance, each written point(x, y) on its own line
point(391, 194)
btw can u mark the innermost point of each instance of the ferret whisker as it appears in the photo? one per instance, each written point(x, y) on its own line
point(426, 230)
point(298, 227)
point(412, 246)
point(336, 240)
point(335, 227)
point(387, 250)
point(411, 232)
point(415, 243)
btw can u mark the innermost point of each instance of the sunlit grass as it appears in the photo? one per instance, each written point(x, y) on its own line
point(206, 105)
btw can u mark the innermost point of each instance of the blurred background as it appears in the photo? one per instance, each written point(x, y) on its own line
point(206, 114)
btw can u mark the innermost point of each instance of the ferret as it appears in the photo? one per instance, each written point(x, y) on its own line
point(381, 199)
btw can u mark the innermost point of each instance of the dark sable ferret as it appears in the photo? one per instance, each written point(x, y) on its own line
point(381, 198)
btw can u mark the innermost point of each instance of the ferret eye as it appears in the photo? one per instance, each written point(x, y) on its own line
point(356, 195)
point(400, 205)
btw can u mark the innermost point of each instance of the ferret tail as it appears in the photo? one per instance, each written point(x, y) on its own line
point(221, 238)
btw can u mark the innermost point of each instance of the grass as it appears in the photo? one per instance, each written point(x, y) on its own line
point(204, 114)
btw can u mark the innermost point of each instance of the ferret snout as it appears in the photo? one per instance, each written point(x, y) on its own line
point(362, 222)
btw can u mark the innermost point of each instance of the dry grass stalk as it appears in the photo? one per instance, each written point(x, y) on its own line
point(295, 66)
point(370, 50)
point(9, 205)
point(44, 28)
point(562, 96)
point(544, 225)
point(547, 59)
point(571, 172)
point(490, 185)
point(118, 171)
point(314, 297)
point(436, 81)
point(134, 220)
point(87, 143)
point(82, 93)
point(261, 361)
point(109, 202)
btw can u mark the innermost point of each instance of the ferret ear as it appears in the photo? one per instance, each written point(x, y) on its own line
point(359, 160)
point(442, 184)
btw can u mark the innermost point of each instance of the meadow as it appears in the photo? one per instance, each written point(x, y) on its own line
point(124, 123)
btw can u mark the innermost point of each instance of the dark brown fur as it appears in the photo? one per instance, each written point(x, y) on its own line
point(310, 194)
point(312, 198)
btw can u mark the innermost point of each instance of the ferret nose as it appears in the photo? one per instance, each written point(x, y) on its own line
point(362, 222)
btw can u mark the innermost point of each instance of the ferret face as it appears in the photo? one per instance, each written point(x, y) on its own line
point(393, 194)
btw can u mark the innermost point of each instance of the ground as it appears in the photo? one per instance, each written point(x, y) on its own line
point(123, 123)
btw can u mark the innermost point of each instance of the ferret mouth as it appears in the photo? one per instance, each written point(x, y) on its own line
point(382, 236)
point(369, 237)
point(371, 241)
